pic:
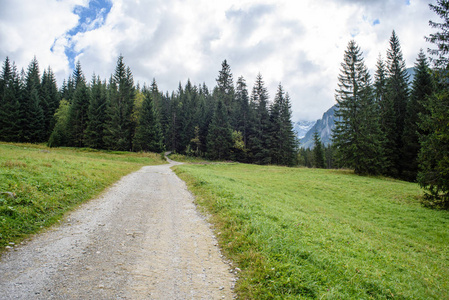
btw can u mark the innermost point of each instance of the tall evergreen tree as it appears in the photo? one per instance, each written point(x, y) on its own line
point(259, 124)
point(219, 139)
point(434, 154)
point(96, 114)
point(422, 88)
point(49, 97)
point(439, 56)
point(357, 133)
point(148, 136)
point(60, 134)
point(31, 116)
point(225, 88)
point(281, 136)
point(394, 107)
point(78, 114)
point(318, 152)
point(380, 81)
point(119, 126)
point(9, 103)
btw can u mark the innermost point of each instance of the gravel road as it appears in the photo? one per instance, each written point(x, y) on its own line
point(141, 239)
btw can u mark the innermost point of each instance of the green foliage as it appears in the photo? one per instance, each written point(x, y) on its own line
point(148, 135)
point(393, 108)
point(422, 88)
point(357, 135)
point(318, 153)
point(323, 234)
point(219, 139)
point(46, 183)
point(440, 38)
point(31, 116)
point(96, 115)
point(434, 154)
point(60, 135)
point(119, 125)
point(9, 102)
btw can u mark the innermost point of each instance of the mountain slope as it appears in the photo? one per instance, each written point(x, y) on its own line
point(324, 127)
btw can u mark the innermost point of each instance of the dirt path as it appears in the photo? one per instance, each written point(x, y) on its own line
point(142, 239)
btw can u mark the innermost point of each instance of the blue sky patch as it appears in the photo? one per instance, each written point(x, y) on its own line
point(407, 2)
point(376, 22)
point(90, 18)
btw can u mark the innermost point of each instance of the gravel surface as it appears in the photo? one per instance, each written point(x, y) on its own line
point(142, 239)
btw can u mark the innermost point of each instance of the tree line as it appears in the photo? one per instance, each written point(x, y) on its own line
point(385, 127)
point(227, 123)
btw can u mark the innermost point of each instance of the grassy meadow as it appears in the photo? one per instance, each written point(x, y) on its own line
point(300, 233)
point(46, 182)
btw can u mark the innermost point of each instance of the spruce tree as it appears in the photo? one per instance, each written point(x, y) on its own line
point(9, 103)
point(225, 88)
point(148, 136)
point(219, 138)
point(259, 124)
point(31, 116)
point(357, 134)
point(281, 136)
point(119, 127)
point(434, 154)
point(318, 152)
point(394, 107)
point(49, 97)
point(96, 114)
point(78, 115)
point(422, 88)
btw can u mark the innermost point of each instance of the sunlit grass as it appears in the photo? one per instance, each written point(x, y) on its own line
point(323, 234)
point(38, 184)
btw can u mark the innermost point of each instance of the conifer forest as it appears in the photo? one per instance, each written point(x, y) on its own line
point(386, 123)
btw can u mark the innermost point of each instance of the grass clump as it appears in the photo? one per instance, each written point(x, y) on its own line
point(324, 234)
point(38, 184)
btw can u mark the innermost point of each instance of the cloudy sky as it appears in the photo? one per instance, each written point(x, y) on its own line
point(298, 43)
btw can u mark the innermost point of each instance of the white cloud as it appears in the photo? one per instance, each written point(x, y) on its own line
point(298, 43)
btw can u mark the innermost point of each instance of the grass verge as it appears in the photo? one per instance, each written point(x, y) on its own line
point(323, 234)
point(39, 184)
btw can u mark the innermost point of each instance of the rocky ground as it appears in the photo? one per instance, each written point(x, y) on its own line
point(142, 239)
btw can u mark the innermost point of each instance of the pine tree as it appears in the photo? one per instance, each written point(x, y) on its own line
point(96, 114)
point(441, 38)
point(225, 88)
point(318, 152)
point(49, 97)
point(219, 139)
point(259, 123)
point(281, 136)
point(148, 136)
point(422, 88)
point(357, 134)
point(9, 103)
point(394, 107)
point(31, 116)
point(78, 115)
point(119, 126)
point(434, 154)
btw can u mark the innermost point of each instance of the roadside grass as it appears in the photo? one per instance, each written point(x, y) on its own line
point(323, 234)
point(187, 159)
point(39, 184)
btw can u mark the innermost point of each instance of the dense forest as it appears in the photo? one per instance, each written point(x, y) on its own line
point(225, 124)
point(385, 125)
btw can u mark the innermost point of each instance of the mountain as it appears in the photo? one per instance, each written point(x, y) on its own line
point(302, 127)
point(324, 127)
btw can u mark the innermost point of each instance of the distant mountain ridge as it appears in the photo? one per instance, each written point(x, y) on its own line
point(302, 127)
point(324, 127)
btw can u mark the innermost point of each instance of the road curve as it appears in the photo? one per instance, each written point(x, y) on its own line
point(141, 239)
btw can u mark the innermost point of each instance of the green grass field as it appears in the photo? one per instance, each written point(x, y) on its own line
point(47, 182)
point(323, 234)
